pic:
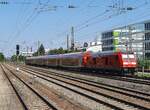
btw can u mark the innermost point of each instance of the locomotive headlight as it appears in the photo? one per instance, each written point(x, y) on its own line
point(134, 63)
point(125, 63)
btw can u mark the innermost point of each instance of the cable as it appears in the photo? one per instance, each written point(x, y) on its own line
point(109, 17)
point(30, 19)
point(84, 23)
point(90, 19)
point(101, 14)
point(112, 27)
point(17, 34)
point(19, 18)
point(35, 13)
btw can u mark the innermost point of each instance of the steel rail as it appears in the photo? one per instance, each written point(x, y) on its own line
point(98, 93)
point(40, 96)
point(15, 90)
point(90, 81)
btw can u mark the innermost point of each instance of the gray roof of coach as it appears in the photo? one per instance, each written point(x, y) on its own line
point(77, 54)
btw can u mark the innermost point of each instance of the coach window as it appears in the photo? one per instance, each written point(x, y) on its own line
point(106, 61)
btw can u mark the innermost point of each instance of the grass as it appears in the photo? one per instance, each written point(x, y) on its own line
point(143, 75)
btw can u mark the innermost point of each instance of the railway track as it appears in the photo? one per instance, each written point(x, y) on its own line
point(110, 106)
point(128, 79)
point(43, 100)
point(58, 100)
point(84, 79)
point(15, 90)
point(133, 97)
point(114, 77)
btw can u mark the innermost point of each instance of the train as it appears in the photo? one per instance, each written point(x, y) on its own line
point(118, 62)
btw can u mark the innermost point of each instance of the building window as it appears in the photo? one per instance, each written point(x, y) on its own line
point(147, 36)
point(147, 55)
point(147, 26)
point(147, 46)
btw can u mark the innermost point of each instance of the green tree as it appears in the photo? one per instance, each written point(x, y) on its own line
point(61, 51)
point(57, 51)
point(14, 58)
point(40, 51)
point(2, 58)
point(144, 63)
point(20, 58)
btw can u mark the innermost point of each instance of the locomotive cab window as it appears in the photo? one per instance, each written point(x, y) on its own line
point(127, 56)
point(131, 56)
point(124, 56)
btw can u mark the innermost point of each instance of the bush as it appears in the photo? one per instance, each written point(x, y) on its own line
point(2, 58)
point(20, 58)
point(144, 63)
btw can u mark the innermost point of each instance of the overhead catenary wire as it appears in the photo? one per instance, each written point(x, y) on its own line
point(80, 26)
point(86, 23)
point(31, 18)
point(17, 33)
point(109, 17)
point(141, 15)
point(23, 7)
point(87, 4)
point(19, 19)
point(119, 10)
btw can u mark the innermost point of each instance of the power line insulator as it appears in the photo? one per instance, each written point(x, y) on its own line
point(71, 6)
point(129, 8)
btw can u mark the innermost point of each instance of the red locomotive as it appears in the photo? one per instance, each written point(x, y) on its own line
point(106, 61)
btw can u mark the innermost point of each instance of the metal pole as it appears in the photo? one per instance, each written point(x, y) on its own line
point(27, 50)
point(72, 38)
point(130, 38)
point(38, 47)
point(67, 42)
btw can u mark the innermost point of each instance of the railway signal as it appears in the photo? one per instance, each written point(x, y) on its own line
point(4, 2)
point(72, 38)
point(17, 49)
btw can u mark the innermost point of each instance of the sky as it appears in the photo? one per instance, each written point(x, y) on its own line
point(25, 22)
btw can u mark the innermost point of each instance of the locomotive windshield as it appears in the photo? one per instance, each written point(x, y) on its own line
point(128, 56)
point(131, 56)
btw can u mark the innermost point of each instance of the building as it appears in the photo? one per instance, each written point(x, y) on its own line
point(47, 51)
point(95, 47)
point(132, 38)
point(27, 54)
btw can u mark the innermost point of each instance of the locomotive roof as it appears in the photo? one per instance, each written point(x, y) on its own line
point(76, 55)
point(45, 56)
point(71, 55)
point(109, 53)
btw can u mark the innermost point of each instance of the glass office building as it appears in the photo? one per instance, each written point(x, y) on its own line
point(132, 38)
